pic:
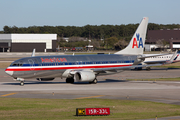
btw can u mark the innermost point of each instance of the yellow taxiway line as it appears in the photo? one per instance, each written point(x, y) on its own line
point(90, 97)
point(8, 94)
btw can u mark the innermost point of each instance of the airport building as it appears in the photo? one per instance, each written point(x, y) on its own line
point(27, 42)
point(172, 37)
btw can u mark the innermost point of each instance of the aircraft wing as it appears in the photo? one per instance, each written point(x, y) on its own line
point(136, 66)
point(155, 62)
point(123, 68)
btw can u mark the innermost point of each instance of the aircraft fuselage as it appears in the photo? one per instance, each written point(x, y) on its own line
point(55, 66)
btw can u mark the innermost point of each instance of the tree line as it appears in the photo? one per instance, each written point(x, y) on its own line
point(113, 36)
point(88, 31)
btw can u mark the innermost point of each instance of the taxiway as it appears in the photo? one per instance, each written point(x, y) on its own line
point(108, 87)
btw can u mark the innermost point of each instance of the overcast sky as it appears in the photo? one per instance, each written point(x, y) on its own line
point(25, 13)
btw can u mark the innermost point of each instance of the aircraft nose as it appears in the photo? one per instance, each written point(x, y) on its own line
point(9, 72)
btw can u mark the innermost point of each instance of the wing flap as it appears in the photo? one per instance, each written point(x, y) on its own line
point(123, 68)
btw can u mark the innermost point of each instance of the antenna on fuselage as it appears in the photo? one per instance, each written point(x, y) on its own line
point(33, 53)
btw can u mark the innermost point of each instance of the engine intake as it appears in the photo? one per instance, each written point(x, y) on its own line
point(84, 76)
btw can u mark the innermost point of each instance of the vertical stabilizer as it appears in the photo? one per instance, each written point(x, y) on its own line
point(136, 45)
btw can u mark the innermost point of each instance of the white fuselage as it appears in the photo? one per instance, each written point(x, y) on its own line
point(162, 58)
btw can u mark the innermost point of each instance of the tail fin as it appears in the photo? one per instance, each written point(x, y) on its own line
point(136, 45)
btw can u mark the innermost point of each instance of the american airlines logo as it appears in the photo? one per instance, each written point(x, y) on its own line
point(137, 42)
point(52, 60)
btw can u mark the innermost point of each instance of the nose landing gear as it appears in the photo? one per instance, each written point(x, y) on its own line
point(22, 83)
point(21, 80)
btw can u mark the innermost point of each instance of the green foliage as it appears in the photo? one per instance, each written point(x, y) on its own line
point(111, 41)
point(88, 31)
point(73, 44)
point(109, 33)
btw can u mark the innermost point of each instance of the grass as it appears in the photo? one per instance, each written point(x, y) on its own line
point(173, 65)
point(44, 109)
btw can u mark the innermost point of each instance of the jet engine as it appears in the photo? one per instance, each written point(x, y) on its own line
point(84, 76)
point(45, 79)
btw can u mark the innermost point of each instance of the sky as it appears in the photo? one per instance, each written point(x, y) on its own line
point(25, 13)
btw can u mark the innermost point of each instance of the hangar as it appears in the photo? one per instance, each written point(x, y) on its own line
point(27, 42)
point(172, 37)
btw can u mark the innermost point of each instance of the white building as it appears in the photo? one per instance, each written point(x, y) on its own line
point(27, 42)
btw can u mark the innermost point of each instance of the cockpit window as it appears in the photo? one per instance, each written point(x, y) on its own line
point(15, 64)
point(20, 63)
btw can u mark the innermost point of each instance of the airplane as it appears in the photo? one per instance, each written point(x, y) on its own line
point(159, 58)
point(82, 68)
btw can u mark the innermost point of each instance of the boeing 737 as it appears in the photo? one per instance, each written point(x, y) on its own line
point(80, 68)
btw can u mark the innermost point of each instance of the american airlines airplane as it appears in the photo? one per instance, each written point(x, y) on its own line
point(80, 68)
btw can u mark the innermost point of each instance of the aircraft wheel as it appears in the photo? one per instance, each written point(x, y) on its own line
point(148, 68)
point(22, 83)
point(94, 81)
point(69, 80)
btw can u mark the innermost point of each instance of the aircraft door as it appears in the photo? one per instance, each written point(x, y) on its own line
point(31, 62)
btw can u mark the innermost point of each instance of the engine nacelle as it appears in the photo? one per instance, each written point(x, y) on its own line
point(84, 76)
point(45, 79)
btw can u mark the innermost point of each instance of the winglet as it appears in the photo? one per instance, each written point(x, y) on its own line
point(172, 58)
point(33, 53)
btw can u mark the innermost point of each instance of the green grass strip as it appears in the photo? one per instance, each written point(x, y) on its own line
point(56, 109)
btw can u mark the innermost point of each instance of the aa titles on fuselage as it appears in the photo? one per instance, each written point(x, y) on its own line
point(53, 60)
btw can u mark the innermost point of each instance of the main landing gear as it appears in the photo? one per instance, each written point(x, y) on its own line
point(148, 68)
point(94, 81)
point(69, 80)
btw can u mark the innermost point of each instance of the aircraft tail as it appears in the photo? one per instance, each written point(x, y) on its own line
point(136, 45)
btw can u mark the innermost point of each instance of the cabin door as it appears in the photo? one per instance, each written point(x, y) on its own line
point(31, 63)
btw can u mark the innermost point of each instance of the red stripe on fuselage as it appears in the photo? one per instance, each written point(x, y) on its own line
point(62, 68)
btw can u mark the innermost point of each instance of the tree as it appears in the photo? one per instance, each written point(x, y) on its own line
point(153, 26)
point(121, 44)
point(7, 29)
point(111, 42)
point(162, 43)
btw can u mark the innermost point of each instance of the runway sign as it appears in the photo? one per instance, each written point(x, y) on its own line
point(92, 111)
